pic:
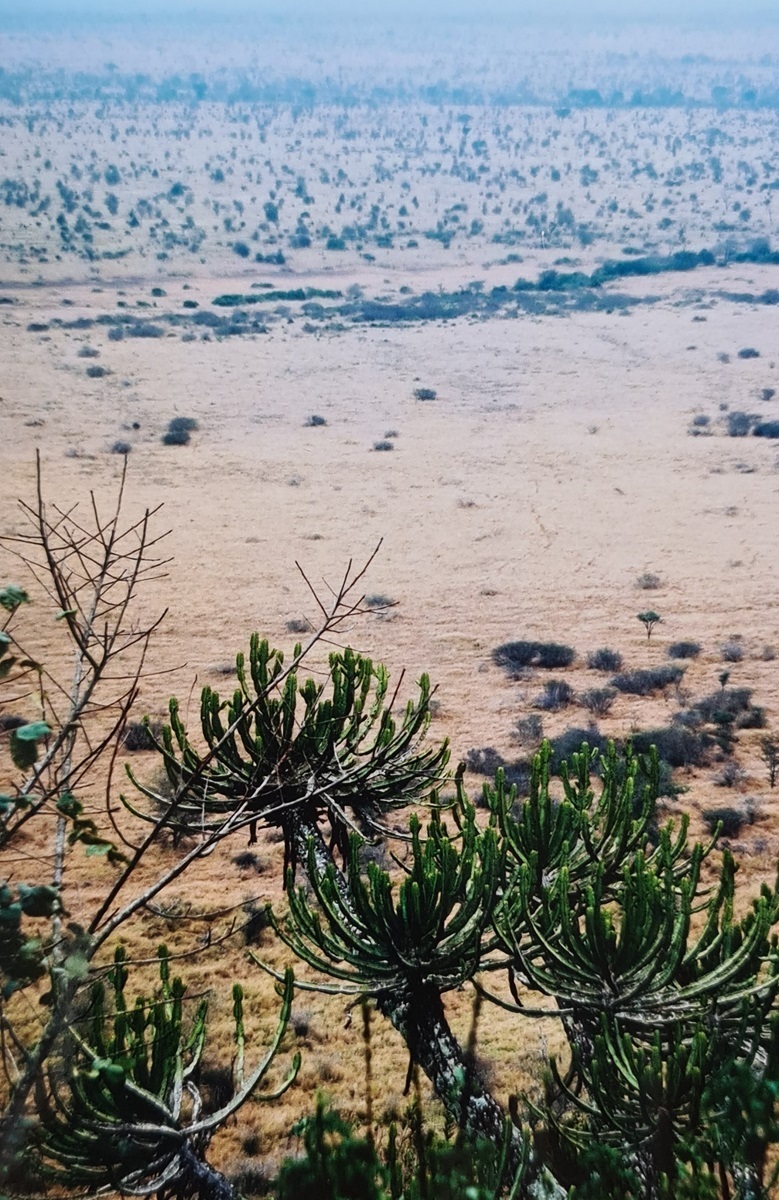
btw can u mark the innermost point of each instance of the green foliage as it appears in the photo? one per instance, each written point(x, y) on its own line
point(649, 619)
point(415, 1164)
point(22, 957)
point(121, 1109)
point(380, 939)
point(281, 751)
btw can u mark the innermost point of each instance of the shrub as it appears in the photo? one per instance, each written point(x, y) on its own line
point(314, 421)
point(140, 736)
point(241, 249)
point(557, 694)
point(729, 701)
point(647, 680)
point(88, 352)
point(604, 660)
point(767, 394)
point(700, 420)
point(598, 701)
point(749, 352)
point(298, 625)
point(570, 742)
point(188, 424)
point(96, 372)
point(548, 655)
point(484, 761)
point(731, 821)
point(248, 860)
point(423, 393)
point(684, 650)
point(676, 745)
point(176, 437)
point(383, 445)
point(739, 424)
point(529, 730)
point(378, 600)
point(732, 652)
point(554, 655)
point(121, 448)
point(255, 924)
point(766, 429)
point(648, 582)
point(730, 775)
point(115, 333)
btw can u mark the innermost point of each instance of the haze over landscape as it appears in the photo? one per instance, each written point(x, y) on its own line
point(494, 285)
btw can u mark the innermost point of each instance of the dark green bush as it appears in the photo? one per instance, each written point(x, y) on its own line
point(557, 694)
point(766, 429)
point(97, 372)
point(730, 819)
point(647, 680)
point(604, 660)
point(176, 437)
point(684, 650)
point(739, 424)
point(182, 424)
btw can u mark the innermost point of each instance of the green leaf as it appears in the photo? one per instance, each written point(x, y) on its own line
point(64, 612)
point(12, 596)
point(33, 731)
point(23, 753)
point(98, 848)
point(5, 665)
point(39, 901)
point(76, 966)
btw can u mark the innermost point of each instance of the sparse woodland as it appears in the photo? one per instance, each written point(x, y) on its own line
point(573, 901)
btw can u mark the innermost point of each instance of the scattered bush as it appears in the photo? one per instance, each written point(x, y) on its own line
point(298, 625)
point(732, 652)
point(484, 761)
point(598, 701)
point(570, 742)
point(676, 745)
point(739, 424)
point(140, 736)
point(378, 600)
point(529, 730)
point(730, 775)
point(731, 821)
point(513, 656)
point(248, 860)
point(383, 445)
point(604, 660)
point(424, 393)
point(88, 352)
point(648, 582)
point(314, 421)
point(121, 448)
point(97, 372)
point(115, 333)
point(767, 394)
point(749, 352)
point(176, 437)
point(700, 420)
point(557, 694)
point(188, 424)
point(684, 650)
point(766, 429)
point(647, 680)
point(255, 924)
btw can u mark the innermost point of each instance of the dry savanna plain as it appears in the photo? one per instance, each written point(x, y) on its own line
point(506, 304)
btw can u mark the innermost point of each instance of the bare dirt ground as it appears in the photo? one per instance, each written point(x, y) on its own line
point(554, 468)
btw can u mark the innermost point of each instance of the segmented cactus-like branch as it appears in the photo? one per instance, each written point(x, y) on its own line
point(380, 938)
point(281, 750)
point(582, 829)
point(126, 1114)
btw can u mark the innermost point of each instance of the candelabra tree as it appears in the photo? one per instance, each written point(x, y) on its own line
point(120, 1108)
point(289, 753)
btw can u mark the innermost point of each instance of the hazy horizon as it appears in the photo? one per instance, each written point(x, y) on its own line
point(706, 13)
